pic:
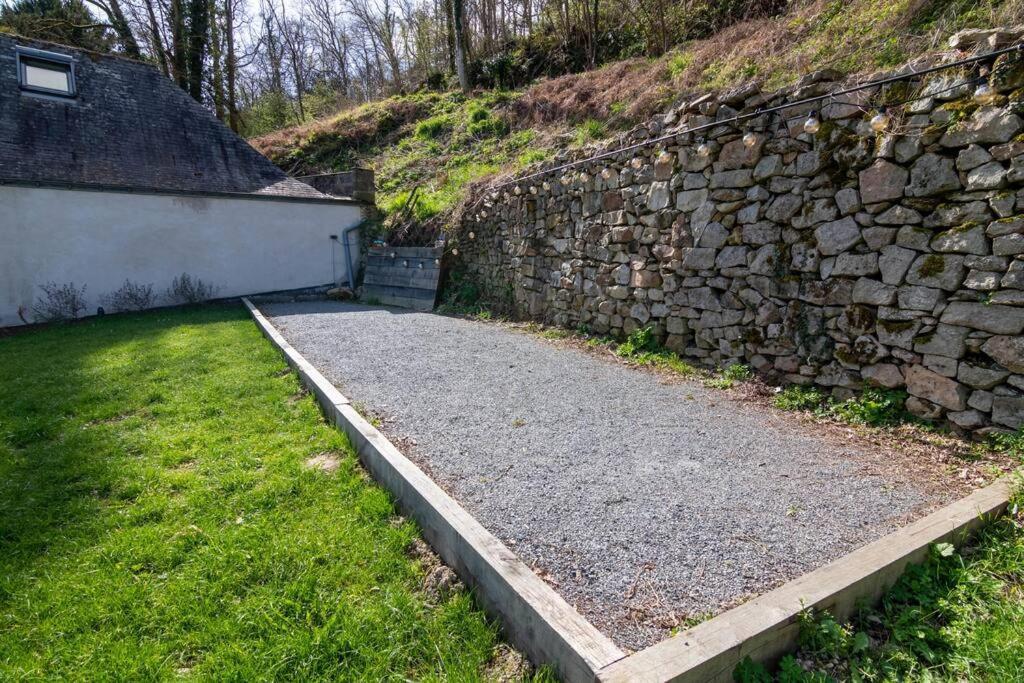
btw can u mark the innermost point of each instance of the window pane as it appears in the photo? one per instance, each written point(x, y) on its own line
point(49, 76)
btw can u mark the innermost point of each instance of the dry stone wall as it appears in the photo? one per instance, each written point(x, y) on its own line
point(843, 258)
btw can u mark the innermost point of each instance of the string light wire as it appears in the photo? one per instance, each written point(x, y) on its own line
point(779, 108)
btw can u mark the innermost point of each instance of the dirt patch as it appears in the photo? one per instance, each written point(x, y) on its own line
point(328, 463)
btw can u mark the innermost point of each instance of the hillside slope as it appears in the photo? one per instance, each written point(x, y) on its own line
point(438, 143)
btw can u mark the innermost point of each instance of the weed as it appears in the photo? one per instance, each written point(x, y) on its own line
point(796, 397)
point(59, 302)
point(434, 127)
point(728, 377)
point(186, 290)
point(873, 407)
point(1012, 443)
point(131, 296)
point(642, 348)
point(556, 333)
point(589, 131)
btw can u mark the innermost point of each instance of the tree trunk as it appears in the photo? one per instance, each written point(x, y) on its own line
point(179, 49)
point(458, 18)
point(199, 25)
point(155, 39)
point(231, 66)
point(216, 61)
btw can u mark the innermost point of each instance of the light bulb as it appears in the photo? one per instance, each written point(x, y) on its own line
point(392, 254)
point(455, 251)
point(533, 189)
point(750, 139)
point(547, 186)
point(812, 125)
point(880, 121)
point(704, 149)
point(420, 265)
point(606, 173)
point(637, 163)
point(437, 262)
point(405, 264)
point(984, 94)
point(472, 235)
point(664, 158)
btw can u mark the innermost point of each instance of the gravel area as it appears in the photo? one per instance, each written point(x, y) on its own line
point(642, 501)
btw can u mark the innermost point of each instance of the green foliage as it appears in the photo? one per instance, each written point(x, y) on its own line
point(589, 131)
point(641, 347)
point(957, 616)
point(639, 342)
point(678, 63)
point(874, 407)
point(728, 377)
point(1012, 443)
point(67, 22)
point(796, 397)
point(161, 519)
point(435, 127)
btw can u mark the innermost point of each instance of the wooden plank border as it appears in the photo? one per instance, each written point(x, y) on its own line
point(550, 631)
point(766, 627)
point(534, 616)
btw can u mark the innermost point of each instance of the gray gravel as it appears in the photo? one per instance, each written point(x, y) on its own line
point(642, 501)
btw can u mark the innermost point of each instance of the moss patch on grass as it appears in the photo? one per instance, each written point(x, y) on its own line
point(158, 518)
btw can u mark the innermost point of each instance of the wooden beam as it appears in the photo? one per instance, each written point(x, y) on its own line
point(535, 618)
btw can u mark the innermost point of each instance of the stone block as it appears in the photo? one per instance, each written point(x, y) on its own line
point(1002, 320)
point(837, 236)
point(1006, 350)
point(943, 271)
point(932, 175)
point(882, 181)
point(935, 388)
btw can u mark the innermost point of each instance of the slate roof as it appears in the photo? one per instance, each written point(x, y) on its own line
point(129, 127)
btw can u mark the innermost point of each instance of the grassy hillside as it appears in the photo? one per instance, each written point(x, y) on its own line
point(441, 142)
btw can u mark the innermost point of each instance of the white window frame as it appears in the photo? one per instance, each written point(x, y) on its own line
point(55, 58)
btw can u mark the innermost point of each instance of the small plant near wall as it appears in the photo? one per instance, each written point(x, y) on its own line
point(185, 289)
point(131, 296)
point(59, 302)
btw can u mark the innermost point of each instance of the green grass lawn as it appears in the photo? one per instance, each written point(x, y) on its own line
point(157, 520)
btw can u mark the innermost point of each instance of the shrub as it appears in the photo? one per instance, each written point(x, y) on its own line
point(185, 290)
point(131, 296)
point(639, 342)
point(875, 407)
point(60, 302)
point(589, 130)
point(482, 124)
point(799, 398)
point(434, 127)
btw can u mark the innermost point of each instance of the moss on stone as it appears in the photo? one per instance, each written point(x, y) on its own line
point(933, 265)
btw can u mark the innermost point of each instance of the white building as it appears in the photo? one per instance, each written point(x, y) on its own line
point(110, 172)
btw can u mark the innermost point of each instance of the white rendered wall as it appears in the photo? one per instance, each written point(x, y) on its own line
point(98, 239)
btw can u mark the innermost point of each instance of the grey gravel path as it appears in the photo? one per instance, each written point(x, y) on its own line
point(642, 501)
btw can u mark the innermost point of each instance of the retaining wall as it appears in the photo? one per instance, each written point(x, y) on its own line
point(843, 258)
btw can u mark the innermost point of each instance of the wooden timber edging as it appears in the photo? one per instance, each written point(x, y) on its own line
point(550, 631)
point(767, 627)
point(535, 618)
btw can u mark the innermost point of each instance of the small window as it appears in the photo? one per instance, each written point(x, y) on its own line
point(46, 72)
